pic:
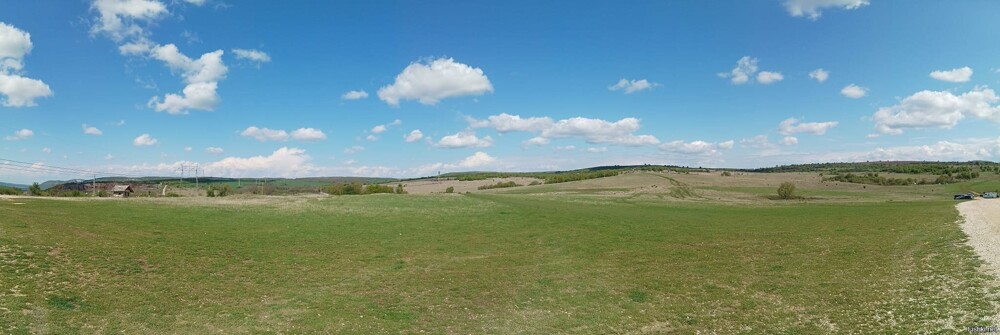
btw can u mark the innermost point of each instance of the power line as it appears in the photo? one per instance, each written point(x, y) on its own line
point(37, 167)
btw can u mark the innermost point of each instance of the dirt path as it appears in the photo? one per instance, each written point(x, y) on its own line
point(982, 224)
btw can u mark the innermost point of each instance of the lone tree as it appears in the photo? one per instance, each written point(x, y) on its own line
point(786, 190)
point(35, 189)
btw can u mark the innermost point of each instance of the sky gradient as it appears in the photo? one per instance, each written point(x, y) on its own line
point(406, 89)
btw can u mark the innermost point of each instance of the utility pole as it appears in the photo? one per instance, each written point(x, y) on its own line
point(182, 174)
point(196, 176)
point(95, 185)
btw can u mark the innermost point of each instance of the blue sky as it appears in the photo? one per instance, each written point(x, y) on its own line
point(249, 89)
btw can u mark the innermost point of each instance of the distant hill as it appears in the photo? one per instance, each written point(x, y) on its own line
point(17, 186)
point(914, 167)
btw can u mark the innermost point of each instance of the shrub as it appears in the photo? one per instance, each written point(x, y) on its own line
point(534, 182)
point(173, 195)
point(399, 189)
point(499, 185)
point(210, 192)
point(102, 194)
point(450, 189)
point(9, 191)
point(372, 189)
point(786, 190)
point(726, 174)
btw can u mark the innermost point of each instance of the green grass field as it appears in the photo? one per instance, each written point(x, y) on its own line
point(486, 263)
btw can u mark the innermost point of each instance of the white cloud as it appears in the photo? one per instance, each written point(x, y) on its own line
point(819, 75)
point(813, 9)
point(14, 45)
point(597, 150)
point(284, 162)
point(201, 75)
point(792, 126)
point(757, 142)
point(789, 140)
point(504, 123)
point(379, 129)
point(926, 109)
point(973, 149)
point(959, 75)
point(476, 160)
point(308, 134)
point(144, 140)
point(597, 131)
point(15, 90)
point(18, 91)
point(119, 123)
point(396, 122)
point(88, 130)
point(465, 139)
point(439, 79)
point(22, 134)
point(854, 91)
point(538, 140)
point(255, 56)
point(354, 95)
point(188, 149)
point(632, 86)
point(109, 157)
point(195, 2)
point(594, 131)
point(566, 148)
point(696, 147)
point(47, 150)
point(371, 137)
point(767, 77)
point(214, 150)
point(413, 136)
point(265, 134)
point(119, 18)
point(745, 67)
point(354, 149)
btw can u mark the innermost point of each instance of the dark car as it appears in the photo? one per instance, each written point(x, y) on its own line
point(963, 196)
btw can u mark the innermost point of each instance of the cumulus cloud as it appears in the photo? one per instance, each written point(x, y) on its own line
point(504, 123)
point(767, 77)
point(265, 134)
point(538, 141)
point(819, 75)
point(89, 130)
point(854, 91)
point(214, 150)
point(757, 142)
point(354, 95)
point(789, 140)
point(632, 86)
point(284, 162)
point(476, 160)
point(566, 148)
point(597, 150)
point(255, 56)
point(594, 131)
point(188, 149)
point(379, 129)
point(792, 126)
point(201, 75)
point(813, 9)
point(597, 131)
point(696, 147)
point(413, 136)
point(308, 134)
point(438, 79)
point(120, 19)
point(746, 68)
point(46, 150)
point(109, 157)
point(22, 134)
point(959, 75)
point(927, 109)
point(354, 149)
point(16, 90)
point(144, 140)
point(465, 139)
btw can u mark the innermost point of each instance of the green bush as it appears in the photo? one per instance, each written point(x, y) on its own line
point(399, 189)
point(786, 190)
point(102, 194)
point(173, 195)
point(500, 185)
point(372, 189)
point(450, 189)
point(9, 191)
point(726, 174)
point(34, 189)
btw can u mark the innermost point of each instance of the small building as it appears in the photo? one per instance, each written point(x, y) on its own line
point(121, 191)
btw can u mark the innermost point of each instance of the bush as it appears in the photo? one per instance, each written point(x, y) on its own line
point(499, 185)
point(534, 182)
point(399, 189)
point(173, 195)
point(372, 189)
point(450, 189)
point(102, 194)
point(726, 174)
point(9, 191)
point(786, 190)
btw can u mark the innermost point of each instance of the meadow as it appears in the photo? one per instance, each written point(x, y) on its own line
point(600, 256)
